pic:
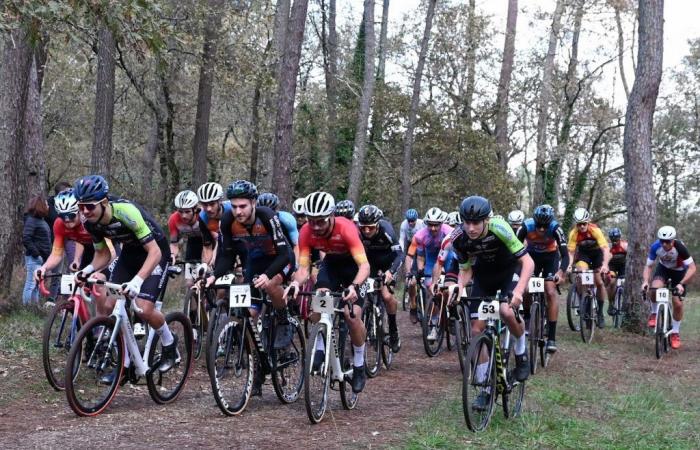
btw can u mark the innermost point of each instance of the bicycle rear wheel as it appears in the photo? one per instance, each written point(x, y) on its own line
point(373, 339)
point(231, 366)
point(534, 334)
point(316, 381)
point(288, 370)
point(573, 304)
point(91, 386)
point(514, 391)
point(59, 334)
point(587, 319)
point(165, 387)
point(660, 335)
point(479, 383)
point(433, 320)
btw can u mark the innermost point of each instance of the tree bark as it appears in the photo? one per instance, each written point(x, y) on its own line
point(639, 189)
point(545, 101)
point(286, 90)
point(504, 86)
point(14, 81)
point(101, 161)
point(413, 112)
point(376, 130)
point(360, 148)
point(34, 153)
point(207, 68)
point(471, 66)
point(621, 49)
point(329, 43)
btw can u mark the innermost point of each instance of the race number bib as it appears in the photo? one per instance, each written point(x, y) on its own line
point(239, 296)
point(322, 304)
point(536, 285)
point(662, 295)
point(587, 278)
point(441, 281)
point(67, 284)
point(369, 286)
point(620, 282)
point(225, 280)
point(489, 310)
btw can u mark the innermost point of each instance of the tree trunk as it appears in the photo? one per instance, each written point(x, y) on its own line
point(360, 148)
point(376, 130)
point(621, 49)
point(152, 150)
point(504, 86)
point(14, 81)
point(206, 81)
point(413, 112)
point(639, 189)
point(101, 161)
point(34, 154)
point(286, 89)
point(545, 101)
point(471, 66)
point(329, 43)
point(255, 131)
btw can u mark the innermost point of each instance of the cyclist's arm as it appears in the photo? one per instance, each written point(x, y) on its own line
point(527, 268)
point(522, 233)
point(565, 258)
point(465, 276)
point(437, 269)
point(402, 235)
point(274, 228)
point(227, 253)
point(78, 254)
point(152, 259)
point(395, 249)
point(688, 274)
point(174, 236)
point(302, 272)
point(410, 254)
point(102, 257)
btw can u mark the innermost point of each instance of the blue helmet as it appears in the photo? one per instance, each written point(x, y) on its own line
point(345, 208)
point(411, 215)
point(242, 189)
point(544, 214)
point(615, 234)
point(269, 200)
point(90, 188)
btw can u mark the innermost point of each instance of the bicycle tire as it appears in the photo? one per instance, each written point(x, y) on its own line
point(55, 362)
point(405, 298)
point(617, 318)
point(198, 329)
point(287, 388)
point(373, 339)
point(218, 318)
point(432, 348)
point(177, 376)
point(471, 386)
point(316, 402)
point(87, 377)
point(573, 306)
point(660, 334)
point(421, 293)
point(450, 336)
point(514, 391)
point(587, 319)
point(463, 333)
point(534, 334)
point(345, 352)
point(230, 341)
point(387, 352)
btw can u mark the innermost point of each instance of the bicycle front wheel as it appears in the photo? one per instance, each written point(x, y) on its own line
point(514, 391)
point(318, 378)
point(660, 335)
point(433, 328)
point(617, 308)
point(60, 332)
point(92, 385)
point(534, 334)
point(288, 371)
point(572, 309)
point(387, 353)
point(462, 334)
point(479, 383)
point(587, 319)
point(194, 310)
point(373, 340)
point(165, 387)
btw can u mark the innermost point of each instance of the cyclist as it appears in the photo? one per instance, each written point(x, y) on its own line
point(345, 208)
point(299, 213)
point(546, 245)
point(345, 265)
point(254, 234)
point(489, 254)
point(588, 248)
point(288, 221)
point(211, 199)
point(187, 222)
point(409, 227)
point(142, 264)
point(515, 219)
point(676, 263)
point(453, 219)
point(385, 255)
point(618, 252)
point(426, 246)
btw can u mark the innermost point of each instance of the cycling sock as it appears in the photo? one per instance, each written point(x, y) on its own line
point(520, 345)
point(654, 308)
point(165, 335)
point(359, 357)
point(676, 324)
point(481, 372)
point(320, 344)
point(552, 330)
point(392, 322)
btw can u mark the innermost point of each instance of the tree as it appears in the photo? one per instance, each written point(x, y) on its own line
point(415, 100)
point(471, 66)
point(329, 46)
point(639, 189)
point(504, 85)
point(360, 147)
point(286, 89)
point(101, 161)
point(375, 134)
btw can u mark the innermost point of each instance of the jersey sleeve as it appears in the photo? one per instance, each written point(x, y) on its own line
point(505, 233)
point(599, 237)
point(560, 239)
point(352, 240)
point(305, 246)
point(290, 225)
point(130, 216)
point(58, 237)
point(226, 254)
point(651, 257)
point(274, 228)
point(684, 254)
point(413, 247)
point(402, 235)
point(571, 246)
point(395, 247)
point(445, 249)
point(522, 233)
point(172, 229)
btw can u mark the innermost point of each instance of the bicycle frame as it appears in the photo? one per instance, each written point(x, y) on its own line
point(329, 321)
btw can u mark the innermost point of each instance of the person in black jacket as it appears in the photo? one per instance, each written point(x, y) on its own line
point(36, 238)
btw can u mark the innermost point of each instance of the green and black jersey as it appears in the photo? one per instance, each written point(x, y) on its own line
point(131, 226)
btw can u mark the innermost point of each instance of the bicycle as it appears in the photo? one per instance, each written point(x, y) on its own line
point(61, 328)
point(492, 348)
point(436, 311)
point(198, 302)
point(374, 316)
point(336, 369)
point(458, 313)
point(537, 334)
point(588, 309)
point(243, 348)
point(105, 339)
point(421, 294)
point(617, 306)
point(573, 306)
point(663, 329)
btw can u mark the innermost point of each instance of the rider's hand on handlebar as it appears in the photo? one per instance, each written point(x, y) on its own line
point(352, 294)
point(39, 274)
point(261, 281)
point(388, 277)
point(293, 289)
point(74, 266)
point(82, 275)
point(133, 287)
point(645, 286)
point(516, 299)
point(680, 289)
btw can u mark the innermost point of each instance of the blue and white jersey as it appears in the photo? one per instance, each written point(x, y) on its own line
point(677, 258)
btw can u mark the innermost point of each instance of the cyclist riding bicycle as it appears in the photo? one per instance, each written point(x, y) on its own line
point(515, 219)
point(211, 199)
point(345, 265)
point(453, 219)
point(288, 221)
point(345, 208)
point(546, 245)
point(384, 255)
point(588, 249)
point(142, 264)
point(489, 254)
point(675, 263)
point(618, 250)
point(299, 212)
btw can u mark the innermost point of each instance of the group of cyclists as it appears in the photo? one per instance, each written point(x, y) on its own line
point(241, 230)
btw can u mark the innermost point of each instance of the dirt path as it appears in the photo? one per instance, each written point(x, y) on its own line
point(385, 413)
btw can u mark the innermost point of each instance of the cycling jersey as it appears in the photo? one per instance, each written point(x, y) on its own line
point(541, 244)
point(342, 242)
point(213, 224)
point(289, 227)
point(61, 233)
point(383, 250)
point(591, 239)
point(130, 226)
point(260, 245)
point(678, 258)
point(406, 233)
point(178, 229)
point(427, 245)
point(619, 254)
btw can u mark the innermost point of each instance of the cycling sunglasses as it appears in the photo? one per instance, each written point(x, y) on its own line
point(88, 206)
point(67, 217)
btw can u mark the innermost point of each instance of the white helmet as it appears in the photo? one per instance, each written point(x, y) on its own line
point(434, 215)
point(454, 219)
point(582, 215)
point(209, 192)
point(443, 216)
point(186, 200)
point(666, 233)
point(319, 204)
point(298, 207)
point(66, 203)
point(516, 217)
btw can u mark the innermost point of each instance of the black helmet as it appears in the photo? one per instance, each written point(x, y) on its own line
point(269, 200)
point(91, 188)
point(544, 214)
point(345, 208)
point(369, 215)
point(474, 208)
point(242, 189)
point(615, 234)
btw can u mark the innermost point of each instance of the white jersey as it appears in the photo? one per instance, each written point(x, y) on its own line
point(406, 233)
